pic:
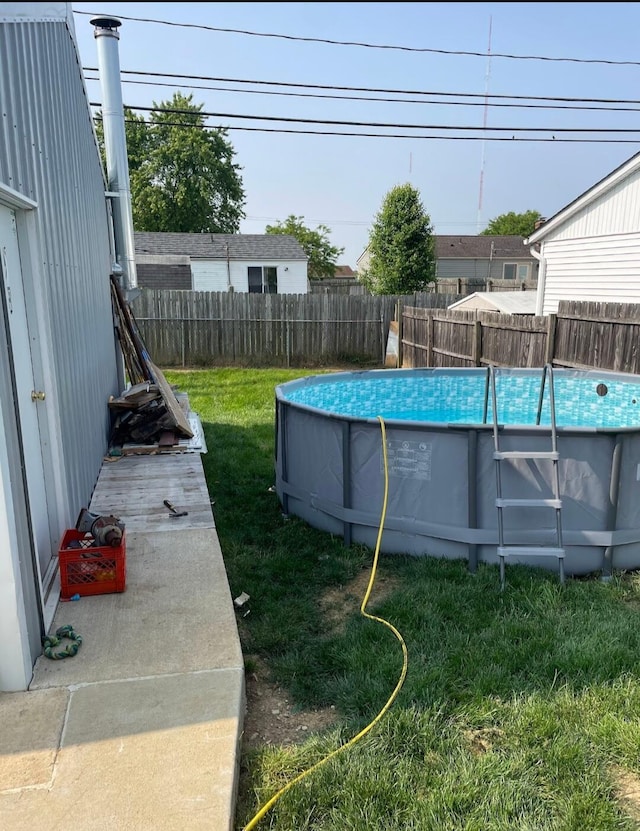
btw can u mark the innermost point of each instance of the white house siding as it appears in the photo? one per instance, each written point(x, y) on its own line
point(615, 212)
point(292, 275)
point(209, 275)
point(212, 275)
point(602, 269)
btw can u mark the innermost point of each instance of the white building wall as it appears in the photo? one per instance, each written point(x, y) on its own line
point(615, 212)
point(600, 269)
point(292, 275)
point(213, 275)
point(209, 275)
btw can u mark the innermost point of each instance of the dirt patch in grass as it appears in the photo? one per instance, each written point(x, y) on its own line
point(628, 791)
point(270, 718)
point(483, 740)
point(340, 602)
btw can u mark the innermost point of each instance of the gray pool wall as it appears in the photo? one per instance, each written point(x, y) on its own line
point(442, 486)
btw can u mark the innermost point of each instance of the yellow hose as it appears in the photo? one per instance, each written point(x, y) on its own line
point(268, 805)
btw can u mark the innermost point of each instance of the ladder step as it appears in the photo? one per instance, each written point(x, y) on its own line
point(530, 551)
point(498, 455)
point(528, 503)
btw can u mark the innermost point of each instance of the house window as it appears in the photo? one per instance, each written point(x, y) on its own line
point(262, 280)
point(512, 270)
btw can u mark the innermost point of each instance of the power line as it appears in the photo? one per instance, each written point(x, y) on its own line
point(284, 130)
point(326, 96)
point(387, 90)
point(381, 124)
point(417, 49)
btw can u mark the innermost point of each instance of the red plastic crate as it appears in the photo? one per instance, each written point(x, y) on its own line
point(90, 569)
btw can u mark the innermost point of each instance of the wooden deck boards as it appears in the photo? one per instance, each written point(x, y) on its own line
point(134, 489)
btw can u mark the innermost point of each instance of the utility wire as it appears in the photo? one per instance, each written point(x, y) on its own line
point(327, 96)
point(387, 90)
point(279, 130)
point(417, 49)
point(381, 124)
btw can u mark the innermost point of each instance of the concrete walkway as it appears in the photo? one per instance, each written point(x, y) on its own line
point(141, 729)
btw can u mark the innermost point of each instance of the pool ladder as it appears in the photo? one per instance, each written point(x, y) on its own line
point(502, 503)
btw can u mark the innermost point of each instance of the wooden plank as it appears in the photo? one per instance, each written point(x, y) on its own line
point(169, 397)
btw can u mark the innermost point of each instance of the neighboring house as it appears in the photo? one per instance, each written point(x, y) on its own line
point(503, 302)
point(484, 257)
point(59, 361)
point(342, 272)
point(261, 263)
point(478, 257)
point(590, 250)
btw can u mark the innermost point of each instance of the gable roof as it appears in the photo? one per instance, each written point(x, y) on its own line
point(220, 246)
point(507, 302)
point(344, 271)
point(480, 246)
point(586, 198)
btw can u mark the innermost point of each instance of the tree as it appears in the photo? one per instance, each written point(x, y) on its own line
point(183, 176)
point(401, 245)
point(521, 225)
point(322, 255)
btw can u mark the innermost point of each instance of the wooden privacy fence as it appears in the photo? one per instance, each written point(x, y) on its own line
point(581, 335)
point(192, 328)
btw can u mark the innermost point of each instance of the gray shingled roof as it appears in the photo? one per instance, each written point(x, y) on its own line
point(472, 247)
point(214, 246)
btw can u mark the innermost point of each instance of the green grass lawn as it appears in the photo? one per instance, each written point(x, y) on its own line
point(520, 710)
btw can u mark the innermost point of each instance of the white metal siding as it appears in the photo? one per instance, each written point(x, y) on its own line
point(48, 153)
point(602, 269)
point(209, 275)
point(615, 212)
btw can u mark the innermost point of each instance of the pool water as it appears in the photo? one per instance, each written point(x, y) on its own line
point(581, 399)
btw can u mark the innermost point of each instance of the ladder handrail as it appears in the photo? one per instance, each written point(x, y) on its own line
point(548, 370)
point(485, 411)
point(494, 403)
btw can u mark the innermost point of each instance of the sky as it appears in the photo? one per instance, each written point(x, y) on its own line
point(445, 66)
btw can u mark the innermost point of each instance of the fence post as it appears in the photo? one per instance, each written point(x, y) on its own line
point(550, 345)
point(430, 340)
point(288, 338)
point(477, 343)
point(399, 335)
point(183, 323)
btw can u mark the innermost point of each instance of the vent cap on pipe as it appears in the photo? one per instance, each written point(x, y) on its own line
point(111, 23)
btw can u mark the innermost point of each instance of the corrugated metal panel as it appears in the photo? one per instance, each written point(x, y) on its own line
point(48, 153)
point(615, 212)
point(604, 269)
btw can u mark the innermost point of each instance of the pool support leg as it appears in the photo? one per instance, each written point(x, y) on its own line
point(472, 495)
point(612, 513)
point(346, 478)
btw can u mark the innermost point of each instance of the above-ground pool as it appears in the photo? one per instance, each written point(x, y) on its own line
point(441, 467)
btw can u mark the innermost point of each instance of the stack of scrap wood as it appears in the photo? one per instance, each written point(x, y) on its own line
point(148, 414)
point(142, 421)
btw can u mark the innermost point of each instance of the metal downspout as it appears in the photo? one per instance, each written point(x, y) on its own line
point(542, 274)
point(115, 143)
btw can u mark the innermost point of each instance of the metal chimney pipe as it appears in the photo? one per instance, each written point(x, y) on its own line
point(115, 144)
